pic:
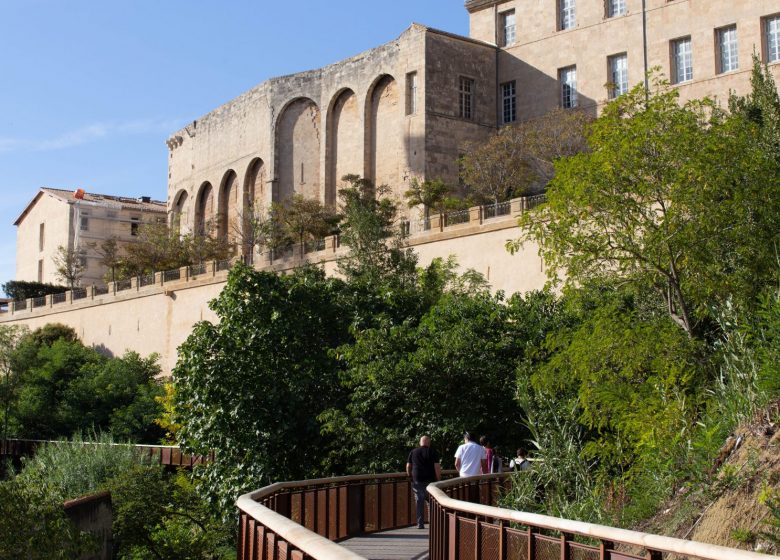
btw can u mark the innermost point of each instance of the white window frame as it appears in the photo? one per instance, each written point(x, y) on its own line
point(509, 102)
point(568, 83)
point(728, 48)
point(682, 60)
point(466, 87)
point(508, 28)
point(618, 74)
point(567, 14)
point(772, 38)
point(616, 8)
point(411, 93)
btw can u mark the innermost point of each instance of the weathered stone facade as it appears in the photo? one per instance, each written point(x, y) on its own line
point(389, 114)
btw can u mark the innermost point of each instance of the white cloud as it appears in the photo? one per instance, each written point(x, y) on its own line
point(91, 133)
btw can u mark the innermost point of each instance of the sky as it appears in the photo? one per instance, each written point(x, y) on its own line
point(90, 90)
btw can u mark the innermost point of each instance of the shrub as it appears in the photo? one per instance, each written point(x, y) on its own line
point(21, 289)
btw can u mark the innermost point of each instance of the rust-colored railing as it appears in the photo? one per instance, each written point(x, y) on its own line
point(306, 519)
point(465, 525)
point(165, 455)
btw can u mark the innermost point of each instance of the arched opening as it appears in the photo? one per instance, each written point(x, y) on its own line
point(228, 226)
point(253, 207)
point(204, 209)
point(345, 145)
point(298, 150)
point(179, 210)
point(384, 135)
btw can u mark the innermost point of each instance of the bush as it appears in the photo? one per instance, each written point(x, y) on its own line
point(20, 289)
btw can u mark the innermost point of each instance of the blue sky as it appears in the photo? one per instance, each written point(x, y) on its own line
point(90, 90)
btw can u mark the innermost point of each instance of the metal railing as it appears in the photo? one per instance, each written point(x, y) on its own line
point(303, 519)
point(146, 280)
point(495, 210)
point(171, 275)
point(198, 270)
point(314, 245)
point(39, 302)
point(122, 285)
point(78, 293)
point(101, 290)
point(224, 265)
point(58, 298)
point(455, 218)
point(19, 304)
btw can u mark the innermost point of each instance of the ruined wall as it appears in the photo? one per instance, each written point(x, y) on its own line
point(298, 151)
point(385, 130)
point(345, 150)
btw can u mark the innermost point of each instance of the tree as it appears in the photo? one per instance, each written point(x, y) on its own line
point(21, 289)
point(520, 158)
point(432, 195)
point(70, 265)
point(761, 106)
point(110, 256)
point(652, 203)
point(369, 229)
point(250, 387)
point(307, 219)
point(9, 340)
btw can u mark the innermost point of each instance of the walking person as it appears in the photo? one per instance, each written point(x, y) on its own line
point(470, 458)
point(489, 453)
point(423, 466)
point(521, 462)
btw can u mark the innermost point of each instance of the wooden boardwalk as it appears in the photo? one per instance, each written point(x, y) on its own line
point(402, 544)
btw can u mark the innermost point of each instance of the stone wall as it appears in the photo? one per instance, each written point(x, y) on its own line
point(159, 317)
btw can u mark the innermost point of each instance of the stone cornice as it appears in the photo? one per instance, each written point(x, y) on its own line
point(475, 5)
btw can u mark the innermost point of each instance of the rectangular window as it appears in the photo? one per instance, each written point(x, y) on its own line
point(682, 60)
point(507, 20)
point(40, 270)
point(135, 222)
point(84, 223)
point(411, 93)
point(567, 14)
point(568, 79)
point(727, 45)
point(616, 8)
point(772, 32)
point(83, 262)
point(466, 98)
point(618, 75)
point(41, 229)
point(509, 103)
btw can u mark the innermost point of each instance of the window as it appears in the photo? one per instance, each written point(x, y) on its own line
point(411, 93)
point(568, 79)
point(509, 103)
point(772, 31)
point(135, 222)
point(682, 60)
point(41, 229)
point(567, 15)
point(85, 223)
point(507, 20)
point(40, 270)
point(618, 75)
point(727, 45)
point(616, 8)
point(466, 98)
point(83, 262)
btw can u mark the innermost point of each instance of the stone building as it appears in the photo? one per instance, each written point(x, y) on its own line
point(79, 222)
point(405, 109)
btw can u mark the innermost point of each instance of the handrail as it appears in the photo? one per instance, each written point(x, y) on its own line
point(656, 543)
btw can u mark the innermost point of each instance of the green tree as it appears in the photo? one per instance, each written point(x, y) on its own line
point(306, 219)
point(69, 265)
point(432, 195)
point(652, 203)
point(250, 387)
point(10, 337)
point(761, 106)
point(110, 254)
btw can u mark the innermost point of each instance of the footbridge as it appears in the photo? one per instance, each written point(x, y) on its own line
point(372, 517)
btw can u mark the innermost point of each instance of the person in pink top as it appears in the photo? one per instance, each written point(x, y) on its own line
point(485, 442)
point(470, 458)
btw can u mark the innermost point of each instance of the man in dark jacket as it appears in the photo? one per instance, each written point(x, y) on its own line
point(423, 466)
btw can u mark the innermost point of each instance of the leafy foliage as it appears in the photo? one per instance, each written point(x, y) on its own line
point(626, 207)
point(70, 265)
point(22, 289)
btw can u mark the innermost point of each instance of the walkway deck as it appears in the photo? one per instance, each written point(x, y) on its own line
point(402, 544)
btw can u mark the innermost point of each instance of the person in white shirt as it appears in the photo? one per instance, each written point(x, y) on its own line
point(470, 458)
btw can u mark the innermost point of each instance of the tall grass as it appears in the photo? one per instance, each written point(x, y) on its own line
point(78, 467)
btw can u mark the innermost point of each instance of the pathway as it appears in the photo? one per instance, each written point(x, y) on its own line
point(409, 543)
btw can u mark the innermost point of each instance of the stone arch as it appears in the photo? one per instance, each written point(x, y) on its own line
point(179, 210)
point(384, 134)
point(204, 209)
point(345, 142)
point(229, 207)
point(298, 150)
point(254, 185)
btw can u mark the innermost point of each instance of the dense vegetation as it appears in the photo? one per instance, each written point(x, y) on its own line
point(661, 340)
point(53, 386)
